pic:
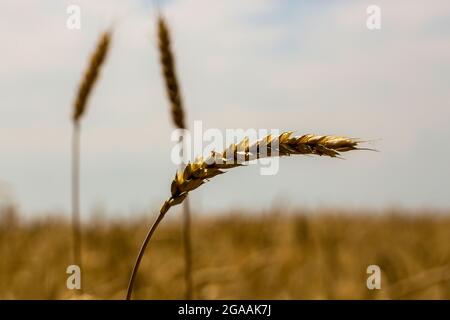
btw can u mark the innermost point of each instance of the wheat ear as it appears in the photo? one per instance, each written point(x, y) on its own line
point(91, 75)
point(87, 83)
point(203, 169)
point(168, 68)
point(178, 118)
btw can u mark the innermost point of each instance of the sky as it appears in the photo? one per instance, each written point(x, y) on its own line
point(305, 66)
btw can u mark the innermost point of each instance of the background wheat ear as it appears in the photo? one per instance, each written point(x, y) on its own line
point(167, 62)
point(91, 74)
point(79, 109)
point(169, 72)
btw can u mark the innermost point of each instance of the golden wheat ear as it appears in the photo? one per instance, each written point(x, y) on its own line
point(197, 173)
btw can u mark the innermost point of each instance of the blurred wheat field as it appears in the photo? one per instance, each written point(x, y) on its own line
point(302, 255)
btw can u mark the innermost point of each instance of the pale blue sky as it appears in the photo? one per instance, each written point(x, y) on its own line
point(311, 67)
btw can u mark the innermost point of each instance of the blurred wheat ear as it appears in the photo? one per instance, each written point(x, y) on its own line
point(178, 117)
point(168, 69)
point(203, 169)
point(91, 74)
point(87, 83)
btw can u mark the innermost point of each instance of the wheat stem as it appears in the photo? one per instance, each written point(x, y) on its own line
point(187, 250)
point(142, 250)
point(76, 224)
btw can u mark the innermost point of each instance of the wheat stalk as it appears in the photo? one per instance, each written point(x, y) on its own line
point(178, 118)
point(85, 88)
point(203, 169)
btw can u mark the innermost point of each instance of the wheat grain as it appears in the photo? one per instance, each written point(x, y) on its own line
point(203, 169)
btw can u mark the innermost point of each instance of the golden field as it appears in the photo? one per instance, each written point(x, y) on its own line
point(238, 255)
